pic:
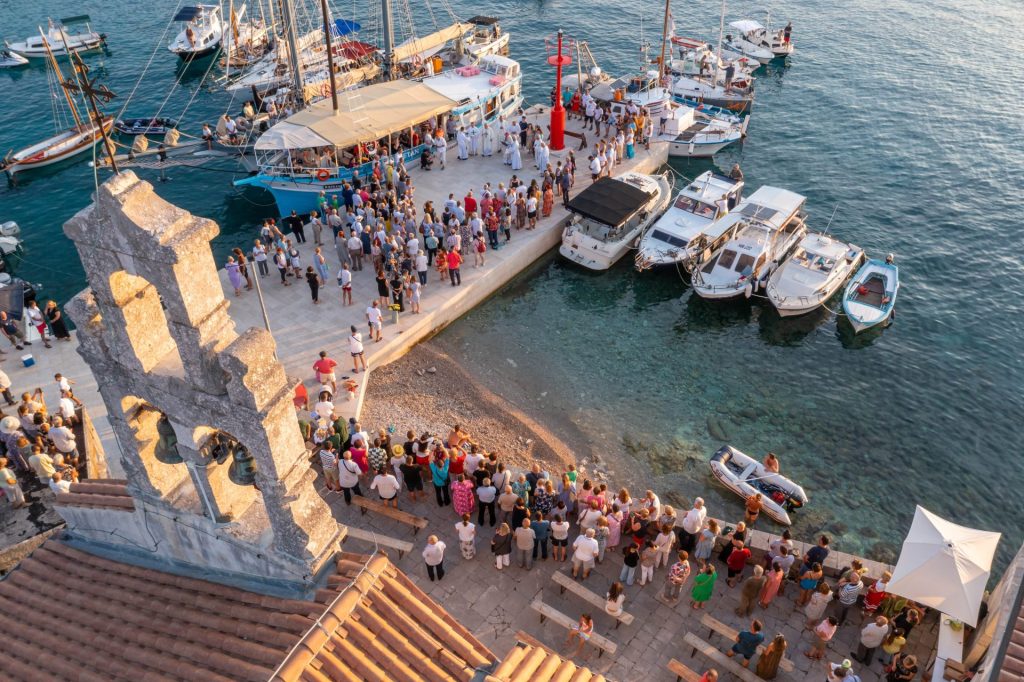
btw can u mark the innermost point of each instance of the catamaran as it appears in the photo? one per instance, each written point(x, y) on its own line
point(59, 40)
point(762, 231)
point(610, 215)
point(677, 236)
point(318, 149)
point(66, 143)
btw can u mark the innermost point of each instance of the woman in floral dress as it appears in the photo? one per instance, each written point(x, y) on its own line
point(462, 495)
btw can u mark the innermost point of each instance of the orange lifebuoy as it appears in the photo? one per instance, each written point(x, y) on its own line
point(322, 174)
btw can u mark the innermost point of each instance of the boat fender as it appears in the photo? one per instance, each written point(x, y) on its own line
point(748, 290)
point(322, 174)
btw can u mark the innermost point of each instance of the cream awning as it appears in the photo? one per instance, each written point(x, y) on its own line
point(342, 81)
point(414, 47)
point(365, 114)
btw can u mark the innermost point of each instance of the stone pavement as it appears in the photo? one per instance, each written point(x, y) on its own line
point(495, 604)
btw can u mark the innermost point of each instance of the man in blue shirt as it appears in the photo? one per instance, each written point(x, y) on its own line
point(542, 531)
point(747, 642)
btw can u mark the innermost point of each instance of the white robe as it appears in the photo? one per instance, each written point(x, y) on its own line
point(517, 158)
point(474, 140)
point(543, 156)
point(508, 150)
point(488, 140)
point(463, 142)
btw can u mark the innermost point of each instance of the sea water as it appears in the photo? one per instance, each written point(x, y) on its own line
point(901, 117)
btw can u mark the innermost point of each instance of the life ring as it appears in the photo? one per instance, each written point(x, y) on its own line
point(322, 174)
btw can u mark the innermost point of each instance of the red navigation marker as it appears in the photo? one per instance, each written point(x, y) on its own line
point(558, 110)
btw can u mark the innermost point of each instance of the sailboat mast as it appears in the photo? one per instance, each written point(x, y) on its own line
point(664, 42)
point(721, 31)
point(330, 57)
point(389, 39)
point(60, 79)
point(291, 39)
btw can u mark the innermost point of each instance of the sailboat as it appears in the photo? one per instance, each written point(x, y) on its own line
point(67, 143)
point(722, 88)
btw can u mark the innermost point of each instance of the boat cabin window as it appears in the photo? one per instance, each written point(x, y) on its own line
point(691, 205)
point(672, 240)
point(727, 258)
point(744, 263)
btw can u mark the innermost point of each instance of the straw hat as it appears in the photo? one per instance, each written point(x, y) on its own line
point(397, 450)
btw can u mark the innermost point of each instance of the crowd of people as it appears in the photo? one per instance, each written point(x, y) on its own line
point(38, 447)
point(530, 516)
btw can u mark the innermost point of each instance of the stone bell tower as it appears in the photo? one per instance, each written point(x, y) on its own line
point(211, 445)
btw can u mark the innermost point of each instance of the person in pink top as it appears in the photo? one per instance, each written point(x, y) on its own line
point(359, 456)
point(462, 495)
point(324, 368)
point(771, 585)
point(823, 633)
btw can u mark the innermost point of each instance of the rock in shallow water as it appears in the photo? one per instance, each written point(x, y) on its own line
point(716, 429)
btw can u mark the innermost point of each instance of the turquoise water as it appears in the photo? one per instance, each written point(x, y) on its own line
point(905, 116)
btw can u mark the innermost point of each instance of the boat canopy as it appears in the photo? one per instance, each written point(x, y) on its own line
point(609, 201)
point(77, 19)
point(411, 48)
point(190, 13)
point(382, 109)
point(481, 20)
point(342, 27)
point(746, 25)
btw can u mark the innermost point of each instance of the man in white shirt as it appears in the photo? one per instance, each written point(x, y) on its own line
point(355, 250)
point(584, 552)
point(355, 347)
point(64, 439)
point(693, 524)
point(386, 486)
point(67, 408)
point(375, 320)
point(433, 555)
point(58, 484)
point(5, 388)
point(595, 168)
point(871, 637)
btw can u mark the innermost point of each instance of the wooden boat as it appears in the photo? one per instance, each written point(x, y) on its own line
point(871, 295)
point(745, 476)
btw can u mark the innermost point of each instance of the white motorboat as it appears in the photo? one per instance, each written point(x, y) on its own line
point(695, 49)
point(487, 37)
point(745, 476)
point(779, 41)
point(761, 232)
point(750, 39)
point(201, 33)
point(696, 207)
point(708, 91)
point(818, 267)
point(10, 59)
point(695, 135)
point(60, 40)
point(610, 215)
point(10, 234)
point(870, 298)
point(702, 61)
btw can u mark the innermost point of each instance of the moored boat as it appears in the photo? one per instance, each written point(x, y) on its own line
point(697, 136)
point(745, 476)
point(758, 235)
point(749, 39)
point(696, 207)
point(152, 125)
point(60, 147)
point(610, 215)
point(201, 33)
point(10, 59)
point(318, 149)
point(59, 40)
point(870, 297)
point(820, 264)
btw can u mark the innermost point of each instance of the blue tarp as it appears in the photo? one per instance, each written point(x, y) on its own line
point(343, 27)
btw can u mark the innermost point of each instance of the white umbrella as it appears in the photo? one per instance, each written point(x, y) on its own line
point(944, 566)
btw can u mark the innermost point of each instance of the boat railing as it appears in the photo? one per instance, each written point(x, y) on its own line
point(337, 173)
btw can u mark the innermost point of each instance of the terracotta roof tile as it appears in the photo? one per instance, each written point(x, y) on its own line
point(533, 662)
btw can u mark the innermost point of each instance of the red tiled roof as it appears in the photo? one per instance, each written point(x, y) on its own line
point(1012, 669)
point(102, 493)
point(531, 661)
point(116, 621)
point(384, 627)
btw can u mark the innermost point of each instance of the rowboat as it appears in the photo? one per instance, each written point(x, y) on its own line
point(60, 147)
point(871, 295)
point(745, 476)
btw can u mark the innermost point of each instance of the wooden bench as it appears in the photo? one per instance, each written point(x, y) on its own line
point(567, 583)
point(718, 658)
point(365, 503)
point(714, 625)
point(547, 611)
point(683, 674)
point(402, 546)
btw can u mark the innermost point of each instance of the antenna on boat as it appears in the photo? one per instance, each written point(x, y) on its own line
point(832, 216)
point(330, 57)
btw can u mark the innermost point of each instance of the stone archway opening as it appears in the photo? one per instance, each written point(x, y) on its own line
point(230, 472)
point(158, 451)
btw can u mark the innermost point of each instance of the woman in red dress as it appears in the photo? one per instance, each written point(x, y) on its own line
point(876, 594)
